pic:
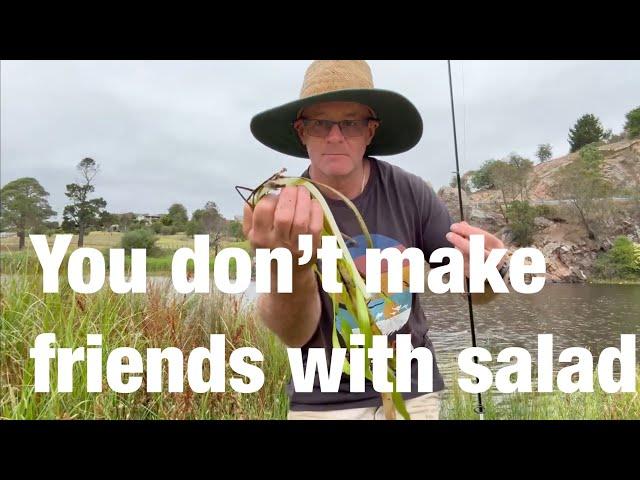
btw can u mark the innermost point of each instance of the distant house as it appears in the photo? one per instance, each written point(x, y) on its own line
point(147, 218)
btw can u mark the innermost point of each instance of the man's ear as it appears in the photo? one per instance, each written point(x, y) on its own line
point(372, 131)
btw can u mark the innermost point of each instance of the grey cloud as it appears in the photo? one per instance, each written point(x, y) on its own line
point(178, 131)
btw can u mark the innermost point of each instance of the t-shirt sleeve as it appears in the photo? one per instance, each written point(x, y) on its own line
point(435, 222)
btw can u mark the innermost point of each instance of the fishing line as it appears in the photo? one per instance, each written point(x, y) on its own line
point(479, 409)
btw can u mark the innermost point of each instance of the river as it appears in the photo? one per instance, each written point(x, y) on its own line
point(577, 315)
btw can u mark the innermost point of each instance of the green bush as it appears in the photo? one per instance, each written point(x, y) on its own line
point(632, 126)
point(543, 211)
point(191, 228)
point(138, 239)
point(622, 261)
point(235, 229)
point(521, 215)
point(481, 178)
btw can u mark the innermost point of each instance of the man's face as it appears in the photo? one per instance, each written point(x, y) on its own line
point(336, 154)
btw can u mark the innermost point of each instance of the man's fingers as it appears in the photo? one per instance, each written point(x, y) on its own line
point(263, 214)
point(283, 216)
point(247, 220)
point(491, 241)
point(302, 215)
point(459, 242)
point(465, 230)
point(316, 220)
point(279, 220)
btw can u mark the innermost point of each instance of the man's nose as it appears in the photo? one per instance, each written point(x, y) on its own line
point(335, 134)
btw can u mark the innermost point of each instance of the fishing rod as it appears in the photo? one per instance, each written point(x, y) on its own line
point(479, 409)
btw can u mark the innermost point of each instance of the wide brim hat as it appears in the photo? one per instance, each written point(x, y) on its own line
point(400, 126)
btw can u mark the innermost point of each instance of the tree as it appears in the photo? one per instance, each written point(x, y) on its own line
point(235, 229)
point(582, 183)
point(510, 177)
point(209, 221)
point(178, 216)
point(24, 206)
point(481, 178)
point(521, 216)
point(125, 220)
point(521, 174)
point(464, 181)
point(502, 176)
point(83, 212)
point(632, 126)
point(544, 152)
point(107, 219)
point(586, 130)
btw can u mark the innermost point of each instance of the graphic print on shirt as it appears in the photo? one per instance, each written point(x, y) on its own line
point(389, 316)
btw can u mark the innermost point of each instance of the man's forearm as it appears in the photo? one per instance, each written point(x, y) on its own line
point(293, 317)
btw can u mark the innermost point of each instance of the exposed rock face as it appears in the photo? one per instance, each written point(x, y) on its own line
point(449, 196)
point(568, 262)
point(481, 217)
point(569, 253)
point(542, 222)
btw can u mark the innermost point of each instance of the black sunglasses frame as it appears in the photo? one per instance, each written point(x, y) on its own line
point(369, 119)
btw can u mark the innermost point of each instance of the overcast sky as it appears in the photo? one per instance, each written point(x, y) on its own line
point(178, 131)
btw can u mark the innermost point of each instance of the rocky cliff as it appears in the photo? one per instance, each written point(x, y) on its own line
point(569, 253)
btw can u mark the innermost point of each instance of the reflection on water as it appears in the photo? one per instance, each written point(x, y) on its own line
point(589, 316)
point(248, 295)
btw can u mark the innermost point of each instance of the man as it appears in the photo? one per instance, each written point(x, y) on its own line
point(340, 122)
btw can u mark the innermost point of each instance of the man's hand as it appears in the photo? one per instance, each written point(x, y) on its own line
point(459, 237)
point(276, 221)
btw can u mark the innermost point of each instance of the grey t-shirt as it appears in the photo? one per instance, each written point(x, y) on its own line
point(400, 210)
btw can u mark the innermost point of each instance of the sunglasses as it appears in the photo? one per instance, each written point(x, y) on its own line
point(349, 128)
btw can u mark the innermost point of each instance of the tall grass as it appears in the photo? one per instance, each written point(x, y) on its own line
point(162, 318)
point(556, 405)
point(158, 319)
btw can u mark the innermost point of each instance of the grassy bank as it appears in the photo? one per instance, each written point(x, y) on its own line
point(100, 240)
point(27, 262)
point(157, 261)
point(613, 281)
point(555, 405)
point(162, 319)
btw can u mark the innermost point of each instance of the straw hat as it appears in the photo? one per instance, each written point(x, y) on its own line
point(342, 81)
